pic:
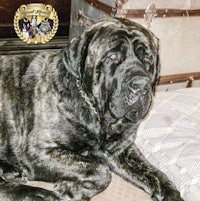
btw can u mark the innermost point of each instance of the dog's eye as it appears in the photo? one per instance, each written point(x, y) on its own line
point(148, 59)
point(113, 58)
point(149, 63)
point(140, 52)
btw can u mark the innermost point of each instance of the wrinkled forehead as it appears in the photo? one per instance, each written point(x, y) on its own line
point(111, 35)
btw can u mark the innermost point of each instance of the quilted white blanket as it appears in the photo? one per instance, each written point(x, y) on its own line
point(170, 139)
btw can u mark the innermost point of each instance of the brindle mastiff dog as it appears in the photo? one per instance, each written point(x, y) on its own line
point(71, 117)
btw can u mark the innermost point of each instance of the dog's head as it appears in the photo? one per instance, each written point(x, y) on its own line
point(118, 64)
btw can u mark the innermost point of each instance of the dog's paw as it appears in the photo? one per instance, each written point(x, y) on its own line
point(168, 194)
point(171, 194)
point(74, 191)
point(175, 197)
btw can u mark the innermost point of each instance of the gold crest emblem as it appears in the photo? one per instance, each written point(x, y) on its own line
point(36, 23)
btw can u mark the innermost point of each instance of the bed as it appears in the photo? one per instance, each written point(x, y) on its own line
point(169, 138)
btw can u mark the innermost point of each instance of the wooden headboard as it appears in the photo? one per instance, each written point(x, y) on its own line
point(179, 78)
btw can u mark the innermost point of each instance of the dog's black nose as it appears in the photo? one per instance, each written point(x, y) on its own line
point(139, 85)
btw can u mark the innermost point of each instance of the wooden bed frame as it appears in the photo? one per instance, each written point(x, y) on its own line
point(179, 78)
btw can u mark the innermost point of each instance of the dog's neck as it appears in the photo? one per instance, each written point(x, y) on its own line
point(88, 99)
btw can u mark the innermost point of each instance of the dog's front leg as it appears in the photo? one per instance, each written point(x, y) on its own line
point(133, 167)
point(76, 177)
point(20, 192)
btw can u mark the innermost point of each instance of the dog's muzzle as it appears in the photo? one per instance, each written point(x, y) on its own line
point(138, 97)
point(139, 91)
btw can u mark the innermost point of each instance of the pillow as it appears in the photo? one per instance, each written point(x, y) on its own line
point(170, 139)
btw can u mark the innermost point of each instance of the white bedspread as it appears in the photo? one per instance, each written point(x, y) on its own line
point(170, 139)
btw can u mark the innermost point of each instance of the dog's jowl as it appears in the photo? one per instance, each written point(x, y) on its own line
point(70, 117)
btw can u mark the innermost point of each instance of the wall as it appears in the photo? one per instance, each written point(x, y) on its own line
point(179, 36)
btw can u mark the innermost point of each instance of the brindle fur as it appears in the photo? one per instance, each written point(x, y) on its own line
point(71, 117)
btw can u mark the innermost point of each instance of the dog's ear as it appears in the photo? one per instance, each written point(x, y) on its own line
point(157, 67)
point(70, 56)
point(75, 54)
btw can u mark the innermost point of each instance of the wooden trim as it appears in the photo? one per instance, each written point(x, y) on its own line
point(179, 78)
point(164, 13)
point(102, 6)
point(139, 13)
point(10, 46)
